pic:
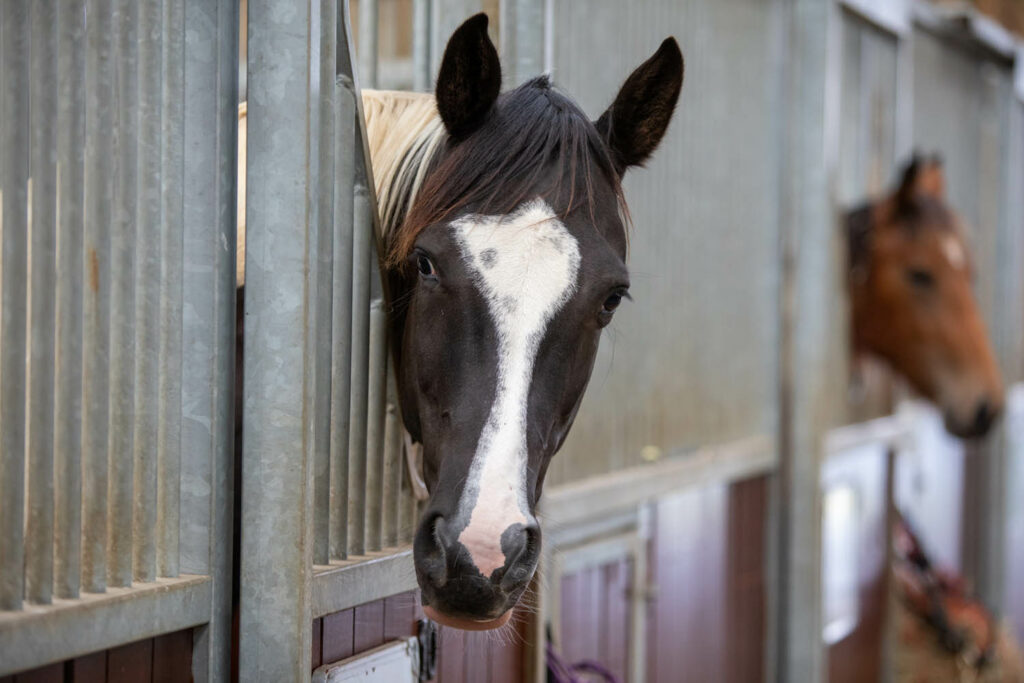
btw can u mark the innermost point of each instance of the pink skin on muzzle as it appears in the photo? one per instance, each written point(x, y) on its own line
point(466, 624)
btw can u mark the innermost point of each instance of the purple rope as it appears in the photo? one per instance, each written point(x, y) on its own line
point(560, 672)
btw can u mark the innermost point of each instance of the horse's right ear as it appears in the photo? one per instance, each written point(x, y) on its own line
point(470, 78)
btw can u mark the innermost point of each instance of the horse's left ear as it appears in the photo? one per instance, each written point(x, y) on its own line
point(636, 121)
point(923, 177)
point(470, 78)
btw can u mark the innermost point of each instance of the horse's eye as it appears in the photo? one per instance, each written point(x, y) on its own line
point(425, 266)
point(922, 279)
point(612, 302)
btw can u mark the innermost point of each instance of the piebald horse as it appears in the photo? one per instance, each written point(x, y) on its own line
point(911, 299)
point(504, 227)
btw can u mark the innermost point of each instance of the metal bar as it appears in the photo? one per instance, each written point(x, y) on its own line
point(70, 628)
point(207, 494)
point(810, 354)
point(147, 294)
point(168, 492)
point(421, 74)
point(393, 462)
point(324, 257)
point(369, 14)
point(122, 301)
point(14, 121)
point(100, 117)
point(42, 238)
point(358, 414)
point(606, 493)
point(277, 519)
point(70, 142)
point(376, 401)
point(348, 585)
point(341, 313)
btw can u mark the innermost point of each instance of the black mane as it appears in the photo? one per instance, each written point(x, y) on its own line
point(504, 162)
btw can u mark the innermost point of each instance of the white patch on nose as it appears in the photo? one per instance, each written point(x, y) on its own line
point(954, 251)
point(525, 265)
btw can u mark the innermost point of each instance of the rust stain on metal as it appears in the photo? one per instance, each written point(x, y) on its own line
point(94, 271)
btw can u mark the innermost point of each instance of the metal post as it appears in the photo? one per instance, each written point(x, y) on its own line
point(324, 255)
point(210, 130)
point(14, 120)
point(42, 237)
point(341, 313)
point(369, 14)
point(67, 445)
point(168, 492)
point(100, 118)
point(148, 246)
point(122, 300)
point(811, 378)
point(277, 519)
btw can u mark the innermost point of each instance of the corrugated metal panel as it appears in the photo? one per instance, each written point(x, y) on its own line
point(93, 184)
point(693, 359)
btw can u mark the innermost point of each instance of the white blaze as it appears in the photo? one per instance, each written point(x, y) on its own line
point(525, 265)
point(954, 251)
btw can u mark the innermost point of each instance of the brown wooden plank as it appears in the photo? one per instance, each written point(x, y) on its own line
point(53, 673)
point(172, 657)
point(400, 616)
point(746, 597)
point(132, 663)
point(476, 656)
point(317, 658)
point(369, 626)
point(505, 663)
point(89, 669)
point(337, 636)
point(450, 651)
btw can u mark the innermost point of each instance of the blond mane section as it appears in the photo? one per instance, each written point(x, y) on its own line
point(404, 131)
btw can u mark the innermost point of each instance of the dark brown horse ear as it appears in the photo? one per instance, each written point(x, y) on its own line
point(470, 78)
point(636, 121)
point(923, 177)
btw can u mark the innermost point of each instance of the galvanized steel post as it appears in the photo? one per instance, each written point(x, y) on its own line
point(277, 514)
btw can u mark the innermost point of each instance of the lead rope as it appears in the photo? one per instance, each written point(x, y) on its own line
point(560, 672)
point(414, 465)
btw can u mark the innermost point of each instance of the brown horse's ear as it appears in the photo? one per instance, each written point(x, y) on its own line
point(470, 78)
point(636, 121)
point(923, 177)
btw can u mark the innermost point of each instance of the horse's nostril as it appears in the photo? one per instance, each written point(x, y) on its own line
point(983, 416)
point(521, 546)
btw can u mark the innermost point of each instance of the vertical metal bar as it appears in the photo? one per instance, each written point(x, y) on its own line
point(70, 141)
point(362, 236)
point(341, 313)
point(169, 427)
point(392, 463)
point(147, 293)
point(122, 301)
point(810, 375)
point(324, 256)
point(100, 118)
point(14, 119)
point(421, 76)
point(376, 401)
point(369, 14)
point(42, 236)
point(211, 120)
point(277, 523)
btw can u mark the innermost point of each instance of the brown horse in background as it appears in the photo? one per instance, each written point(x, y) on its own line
point(912, 303)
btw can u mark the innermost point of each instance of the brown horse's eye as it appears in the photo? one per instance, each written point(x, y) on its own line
point(612, 302)
point(425, 266)
point(921, 279)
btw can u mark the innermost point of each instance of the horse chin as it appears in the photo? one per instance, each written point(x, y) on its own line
point(466, 624)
